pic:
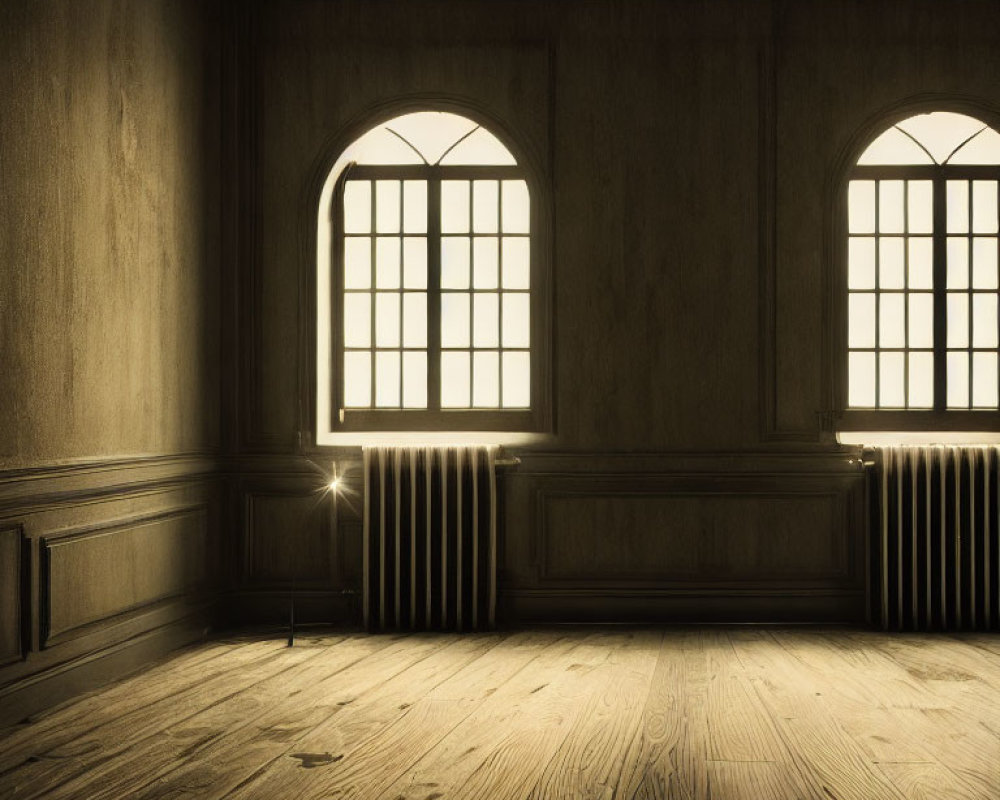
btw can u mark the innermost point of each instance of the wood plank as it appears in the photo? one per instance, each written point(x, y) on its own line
point(589, 762)
point(54, 766)
point(384, 737)
point(929, 782)
point(760, 780)
point(242, 752)
point(499, 748)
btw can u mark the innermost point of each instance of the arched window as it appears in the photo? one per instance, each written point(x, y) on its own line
point(428, 314)
point(922, 283)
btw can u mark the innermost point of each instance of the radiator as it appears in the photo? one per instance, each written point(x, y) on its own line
point(935, 556)
point(430, 538)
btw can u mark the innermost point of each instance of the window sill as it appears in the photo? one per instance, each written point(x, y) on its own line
point(431, 438)
point(891, 438)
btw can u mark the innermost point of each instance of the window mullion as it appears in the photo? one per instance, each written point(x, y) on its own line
point(940, 293)
point(434, 293)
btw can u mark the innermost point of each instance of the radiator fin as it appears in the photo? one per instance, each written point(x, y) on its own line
point(430, 538)
point(935, 557)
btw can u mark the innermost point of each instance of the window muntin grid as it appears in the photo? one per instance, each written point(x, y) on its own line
point(922, 324)
point(435, 276)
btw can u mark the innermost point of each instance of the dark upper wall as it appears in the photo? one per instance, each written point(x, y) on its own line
point(108, 231)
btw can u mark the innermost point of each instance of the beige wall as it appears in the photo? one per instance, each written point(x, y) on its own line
point(108, 232)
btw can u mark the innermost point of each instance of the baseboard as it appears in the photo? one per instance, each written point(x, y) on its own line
point(23, 698)
point(530, 606)
point(274, 607)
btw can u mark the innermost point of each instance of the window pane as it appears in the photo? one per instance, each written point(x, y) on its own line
point(921, 263)
point(455, 262)
point(861, 206)
point(414, 319)
point(357, 262)
point(485, 259)
point(891, 263)
point(454, 206)
point(958, 380)
point(984, 263)
point(415, 206)
point(890, 206)
point(861, 380)
point(984, 320)
point(861, 263)
point(387, 380)
point(516, 207)
point(455, 380)
point(984, 380)
point(921, 320)
point(861, 317)
point(455, 319)
point(387, 262)
point(485, 214)
point(516, 380)
point(958, 320)
point(357, 380)
point(486, 379)
point(958, 206)
point(958, 262)
point(516, 329)
point(921, 380)
point(357, 319)
point(357, 207)
point(891, 380)
point(387, 319)
point(414, 380)
point(387, 206)
point(486, 320)
point(920, 207)
point(516, 262)
point(414, 262)
point(984, 206)
point(892, 320)
point(480, 147)
point(981, 149)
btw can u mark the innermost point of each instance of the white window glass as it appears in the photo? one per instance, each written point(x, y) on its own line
point(891, 380)
point(485, 214)
point(984, 206)
point(516, 207)
point(414, 319)
point(516, 262)
point(861, 320)
point(516, 380)
point(387, 319)
point(958, 262)
point(516, 328)
point(921, 380)
point(891, 263)
point(486, 379)
point(486, 320)
point(485, 262)
point(861, 380)
point(414, 380)
point(357, 262)
point(861, 263)
point(921, 320)
point(455, 319)
point(454, 206)
point(861, 206)
point(890, 206)
point(958, 320)
point(921, 262)
point(358, 207)
point(387, 206)
point(387, 262)
point(892, 320)
point(357, 319)
point(958, 380)
point(415, 206)
point(414, 262)
point(357, 379)
point(984, 380)
point(984, 320)
point(984, 263)
point(387, 379)
point(958, 206)
point(920, 207)
point(455, 262)
point(454, 379)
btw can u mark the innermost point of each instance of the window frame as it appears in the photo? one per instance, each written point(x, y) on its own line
point(330, 428)
point(845, 417)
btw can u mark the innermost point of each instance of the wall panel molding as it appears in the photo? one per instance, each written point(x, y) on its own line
point(92, 574)
point(15, 594)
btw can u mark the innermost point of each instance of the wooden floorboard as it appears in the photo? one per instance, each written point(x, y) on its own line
point(615, 712)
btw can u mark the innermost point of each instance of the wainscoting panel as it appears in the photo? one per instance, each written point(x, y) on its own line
point(684, 545)
point(290, 536)
point(13, 594)
point(100, 572)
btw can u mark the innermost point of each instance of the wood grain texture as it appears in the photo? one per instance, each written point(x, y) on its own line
point(636, 714)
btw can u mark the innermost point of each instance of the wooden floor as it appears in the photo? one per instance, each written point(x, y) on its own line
point(608, 713)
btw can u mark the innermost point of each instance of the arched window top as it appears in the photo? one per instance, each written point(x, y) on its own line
point(940, 137)
point(431, 138)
